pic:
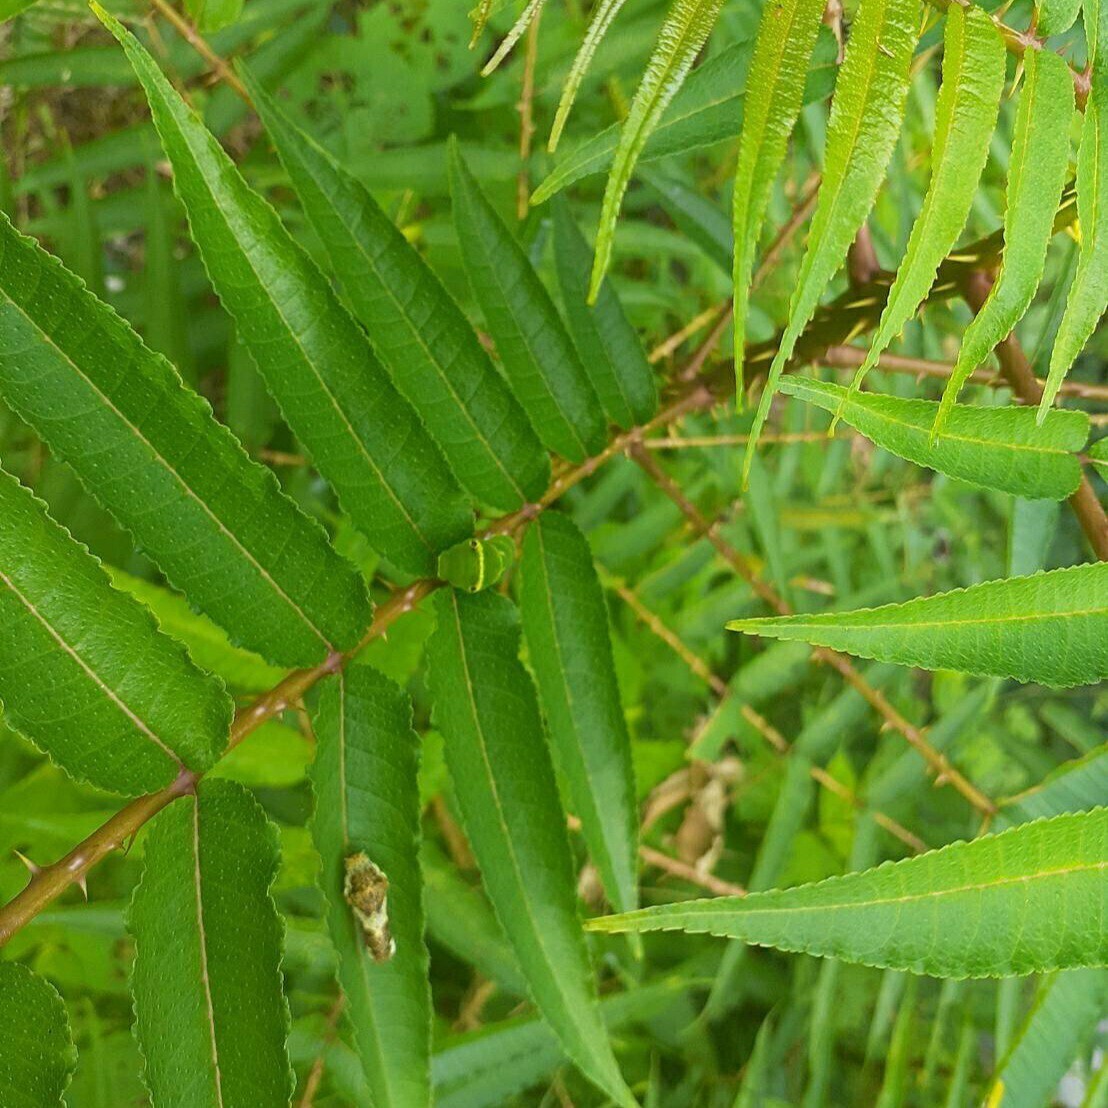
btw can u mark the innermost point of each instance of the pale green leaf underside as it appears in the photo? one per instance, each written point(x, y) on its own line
point(783, 49)
point(965, 115)
point(504, 782)
point(1036, 175)
point(862, 130)
point(37, 1056)
point(367, 800)
point(85, 673)
point(537, 354)
point(565, 620)
point(365, 439)
point(684, 32)
point(418, 330)
point(211, 1017)
point(148, 448)
point(1051, 628)
point(1028, 900)
point(610, 348)
point(993, 448)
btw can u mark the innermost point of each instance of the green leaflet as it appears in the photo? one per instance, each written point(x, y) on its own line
point(210, 1014)
point(37, 1056)
point(367, 800)
point(207, 644)
point(965, 115)
point(418, 330)
point(1088, 295)
point(1066, 1010)
point(1056, 16)
point(537, 354)
point(865, 121)
point(213, 15)
point(602, 17)
point(993, 448)
point(609, 347)
point(684, 32)
point(529, 14)
point(1036, 174)
point(1051, 628)
point(85, 673)
point(362, 435)
point(565, 619)
point(1073, 787)
point(504, 783)
point(1027, 900)
point(149, 450)
point(786, 37)
point(1098, 455)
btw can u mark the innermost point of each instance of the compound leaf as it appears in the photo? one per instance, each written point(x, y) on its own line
point(149, 450)
point(504, 782)
point(865, 121)
point(37, 1056)
point(211, 1017)
point(416, 327)
point(85, 673)
point(993, 448)
point(1036, 175)
point(366, 440)
point(367, 802)
point(1051, 628)
point(1027, 900)
point(565, 620)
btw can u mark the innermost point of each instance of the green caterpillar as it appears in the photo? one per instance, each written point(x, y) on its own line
point(477, 564)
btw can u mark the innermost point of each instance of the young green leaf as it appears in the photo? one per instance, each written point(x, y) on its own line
point(865, 121)
point(603, 15)
point(538, 355)
point(1051, 628)
point(1055, 17)
point(1088, 295)
point(1025, 901)
point(504, 782)
point(680, 39)
point(1074, 786)
point(786, 37)
point(430, 350)
point(609, 347)
point(1098, 455)
point(210, 1014)
point(37, 1056)
point(367, 803)
point(993, 448)
point(1067, 1008)
point(1036, 175)
point(565, 620)
point(148, 449)
point(530, 13)
point(364, 437)
point(965, 115)
point(85, 673)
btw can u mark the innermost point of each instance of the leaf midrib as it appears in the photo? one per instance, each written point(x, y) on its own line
point(1083, 613)
point(205, 979)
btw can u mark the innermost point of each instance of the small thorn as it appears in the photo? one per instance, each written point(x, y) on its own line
point(34, 870)
point(82, 884)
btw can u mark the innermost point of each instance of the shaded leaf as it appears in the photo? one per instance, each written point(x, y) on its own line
point(993, 448)
point(148, 449)
point(865, 121)
point(1024, 901)
point(565, 620)
point(1051, 628)
point(538, 355)
point(210, 1014)
point(367, 801)
point(504, 782)
point(419, 331)
point(1036, 174)
point(84, 671)
point(362, 435)
point(965, 115)
point(37, 1056)
point(610, 349)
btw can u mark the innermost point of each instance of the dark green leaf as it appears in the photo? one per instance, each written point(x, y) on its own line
point(37, 1056)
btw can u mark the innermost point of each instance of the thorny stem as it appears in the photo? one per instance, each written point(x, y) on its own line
point(197, 41)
